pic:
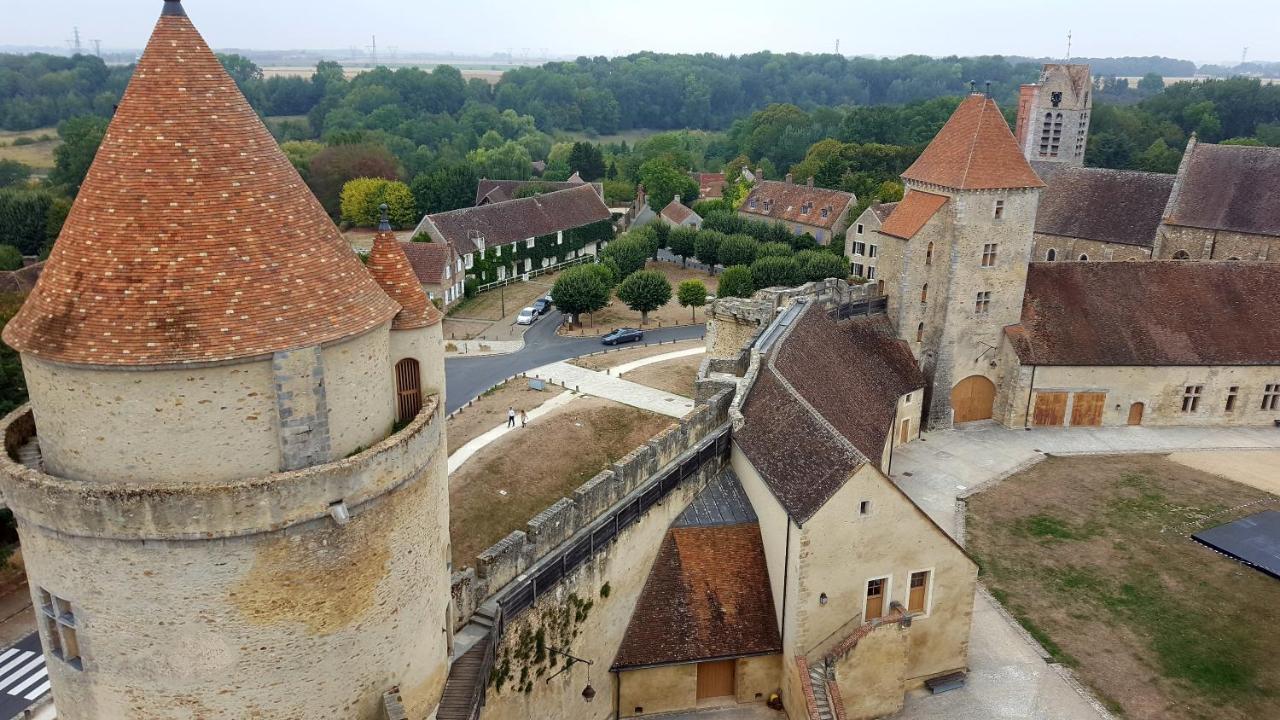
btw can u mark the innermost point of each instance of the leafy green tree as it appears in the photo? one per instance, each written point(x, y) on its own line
point(10, 258)
point(1160, 158)
point(645, 291)
point(510, 161)
point(775, 249)
point(630, 251)
point(579, 290)
point(706, 248)
point(13, 172)
point(776, 272)
point(55, 217)
point(332, 167)
point(587, 160)
point(13, 384)
point(446, 188)
point(681, 243)
point(738, 250)
point(24, 216)
point(662, 182)
point(606, 271)
point(1151, 83)
point(736, 281)
point(823, 265)
point(81, 137)
point(693, 295)
point(362, 198)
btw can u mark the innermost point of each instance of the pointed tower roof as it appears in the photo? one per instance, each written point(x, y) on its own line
point(390, 267)
point(193, 239)
point(974, 151)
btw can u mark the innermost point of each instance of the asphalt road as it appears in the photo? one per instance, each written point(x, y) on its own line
point(467, 377)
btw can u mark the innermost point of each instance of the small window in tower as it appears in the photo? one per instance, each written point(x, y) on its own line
point(859, 228)
point(928, 255)
point(59, 622)
point(1191, 398)
point(408, 390)
point(920, 332)
point(983, 303)
point(1271, 397)
point(989, 251)
point(999, 209)
point(1232, 393)
point(924, 293)
point(1084, 258)
point(1051, 255)
point(1055, 98)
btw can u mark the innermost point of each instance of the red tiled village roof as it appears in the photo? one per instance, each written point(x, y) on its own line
point(391, 269)
point(428, 260)
point(974, 151)
point(911, 214)
point(676, 212)
point(193, 239)
point(797, 203)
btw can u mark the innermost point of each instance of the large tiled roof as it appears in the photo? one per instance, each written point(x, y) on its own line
point(797, 203)
point(1157, 313)
point(823, 404)
point(508, 222)
point(707, 596)
point(192, 239)
point(428, 260)
point(710, 185)
point(677, 212)
point(1228, 187)
point(1114, 206)
point(390, 268)
point(910, 215)
point(504, 190)
point(974, 151)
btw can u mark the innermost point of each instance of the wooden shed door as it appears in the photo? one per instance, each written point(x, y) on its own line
point(715, 679)
point(973, 398)
point(1051, 409)
point(1087, 410)
point(1135, 413)
point(905, 436)
point(408, 389)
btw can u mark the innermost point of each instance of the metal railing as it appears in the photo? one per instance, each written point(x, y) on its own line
point(521, 277)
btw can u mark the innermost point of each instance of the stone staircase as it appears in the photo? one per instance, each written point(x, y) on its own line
point(29, 455)
point(821, 696)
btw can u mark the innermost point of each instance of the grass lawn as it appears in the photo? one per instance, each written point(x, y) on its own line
point(504, 485)
point(488, 305)
point(490, 410)
point(1093, 555)
point(673, 376)
point(619, 315)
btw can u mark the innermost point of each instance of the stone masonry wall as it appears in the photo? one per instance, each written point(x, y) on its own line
point(302, 408)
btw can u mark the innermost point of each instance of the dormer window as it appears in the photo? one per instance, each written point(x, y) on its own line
point(753, 202)
point(826, 211)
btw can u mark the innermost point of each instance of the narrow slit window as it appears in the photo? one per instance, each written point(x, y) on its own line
point(1231, 398)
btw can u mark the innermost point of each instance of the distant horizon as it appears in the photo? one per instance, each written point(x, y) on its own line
point(562, 29)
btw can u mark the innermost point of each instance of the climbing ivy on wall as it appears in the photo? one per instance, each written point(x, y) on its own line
point(529, 658)
point(486, 263)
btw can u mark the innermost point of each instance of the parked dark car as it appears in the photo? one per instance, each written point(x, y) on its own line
point(542, 306)
point(622, 335)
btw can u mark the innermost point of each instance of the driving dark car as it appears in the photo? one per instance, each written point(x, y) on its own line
point(542, 305)
point(622, 335)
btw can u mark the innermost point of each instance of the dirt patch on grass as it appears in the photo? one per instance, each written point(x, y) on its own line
point(490, 410)
point(465, 329)
point(503, 486)
point(488, 305)
point(620, 357)
point(619, 315)
point(1093, 556)
point(673, 376)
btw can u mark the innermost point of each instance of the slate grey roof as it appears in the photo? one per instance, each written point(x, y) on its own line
point(1113, 206)
point(721, 502)
point(504, 223)
point(1228, 187)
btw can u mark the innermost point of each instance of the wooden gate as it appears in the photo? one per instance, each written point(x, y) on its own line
point(1087, 409)
point(1135, 413)
point(408, 389)
point(1051, 409)
point(905, 436)
point(716, 679)
point(973, 398)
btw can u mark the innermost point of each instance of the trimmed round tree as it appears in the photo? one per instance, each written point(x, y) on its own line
point(738, 250)
point(706, 248)
point(823, 265)
point(681, 243)
point(692, 294)
point(776, 272)
point(579, 290)
point(644, 292)
point(736, 281)
point(774, 249)
point(11, 258)
point(629, 251)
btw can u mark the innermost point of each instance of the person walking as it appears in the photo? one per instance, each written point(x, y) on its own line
point(524, 417)
point(511, 416)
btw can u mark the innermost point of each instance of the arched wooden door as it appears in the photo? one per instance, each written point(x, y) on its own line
point(973, 398)
point(1135, 413)
point(408, 389)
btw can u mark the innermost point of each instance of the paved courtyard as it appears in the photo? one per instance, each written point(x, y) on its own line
point(1009, 677)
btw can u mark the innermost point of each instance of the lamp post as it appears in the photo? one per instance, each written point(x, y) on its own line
point(588, 692)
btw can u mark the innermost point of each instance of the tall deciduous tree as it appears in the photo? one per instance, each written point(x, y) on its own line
point(644, 292)
point(662, 182)
point(332, 167)
point(693, 295)
point(579, 290)
point(447, 188)
point(587, 160)
point(776, 272)
point(13, 172)
point(81, 137)
point(738, 250)
point(362, 198)
point(736, 281)
point(630, 252)
point(681, 243)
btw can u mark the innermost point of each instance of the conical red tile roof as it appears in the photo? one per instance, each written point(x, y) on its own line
point(974, 151)
point(390, 267)
point(193, 239)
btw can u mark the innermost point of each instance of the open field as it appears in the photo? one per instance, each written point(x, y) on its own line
point(673, 376)
point(1094, 556)
point(630, 353)
point(507, 483)
point(490, 410)
point(617, 314)
point(489, 73)
point(39, 155)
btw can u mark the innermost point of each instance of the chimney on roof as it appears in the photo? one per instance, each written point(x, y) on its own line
point(809, 182)
point(759, 173)
point(677, 199)
point(789, 178)
point(641, 200)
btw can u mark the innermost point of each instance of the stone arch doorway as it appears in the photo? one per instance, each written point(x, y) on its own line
point(1135, 413)
point(973, 398)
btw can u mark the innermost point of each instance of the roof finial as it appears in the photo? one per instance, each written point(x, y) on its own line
point(385, 224)
point(988, 88)
point(973, 87)
point(173, 7)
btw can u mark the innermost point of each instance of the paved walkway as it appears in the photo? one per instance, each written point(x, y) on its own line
point(589, 382)
point(1009, 677)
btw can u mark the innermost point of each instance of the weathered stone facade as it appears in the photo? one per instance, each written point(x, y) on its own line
point(1053, 114)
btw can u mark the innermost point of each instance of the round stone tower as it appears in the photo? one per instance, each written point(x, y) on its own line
point(240, 505)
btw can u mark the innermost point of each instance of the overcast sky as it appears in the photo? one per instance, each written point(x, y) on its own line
point(1199, 31)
